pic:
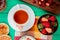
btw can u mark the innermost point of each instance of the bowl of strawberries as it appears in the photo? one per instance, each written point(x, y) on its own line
point(47, 24)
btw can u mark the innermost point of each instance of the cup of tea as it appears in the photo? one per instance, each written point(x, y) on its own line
point(21, 17)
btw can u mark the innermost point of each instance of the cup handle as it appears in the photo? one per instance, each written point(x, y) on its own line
point(18, 6)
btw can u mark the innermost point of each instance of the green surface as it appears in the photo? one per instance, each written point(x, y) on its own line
point(37, 11)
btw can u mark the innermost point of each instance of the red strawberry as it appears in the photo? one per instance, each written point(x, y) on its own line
point(44, 31)
point(44, 19)
point(49, 30)
point(47, 4)
point(42, 0)
point(52, 18)
point(46, 24)
point(43, 4)
point(39, 2)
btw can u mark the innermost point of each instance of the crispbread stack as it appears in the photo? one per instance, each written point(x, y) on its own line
point(4, 31)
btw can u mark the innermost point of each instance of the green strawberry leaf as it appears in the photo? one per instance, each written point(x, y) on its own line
point(55, 24)
point(47, 17)
point(40, 26)
point(41, 29)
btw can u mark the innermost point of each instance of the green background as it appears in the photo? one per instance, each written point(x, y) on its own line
point(37, 11)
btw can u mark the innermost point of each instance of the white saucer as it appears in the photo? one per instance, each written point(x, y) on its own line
point(28, 10)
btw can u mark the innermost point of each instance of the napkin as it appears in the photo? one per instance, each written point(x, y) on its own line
point(33, 32)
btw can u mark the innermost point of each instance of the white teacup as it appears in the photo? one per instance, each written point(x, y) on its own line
point(28, 24)
point(19, 24)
